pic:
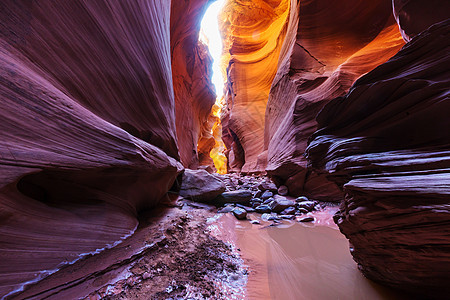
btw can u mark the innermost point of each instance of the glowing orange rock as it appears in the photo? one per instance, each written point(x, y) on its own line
point(253, 34)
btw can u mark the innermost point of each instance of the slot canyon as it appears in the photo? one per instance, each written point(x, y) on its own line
point(319, 170)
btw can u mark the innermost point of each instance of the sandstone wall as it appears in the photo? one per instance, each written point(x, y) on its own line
point(87, 130)
point(253, 35)
point(194, 92)
point(387, 144)
point(327, 47)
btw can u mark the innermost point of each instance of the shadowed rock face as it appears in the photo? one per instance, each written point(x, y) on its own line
point(194, 93)
point(87, 130)
point(387, 143)
point(327, 47)
point(415, 16)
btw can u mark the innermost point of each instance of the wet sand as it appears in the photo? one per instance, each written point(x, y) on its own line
point(299, 261)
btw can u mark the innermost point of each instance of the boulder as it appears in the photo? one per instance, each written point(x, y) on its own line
point(199, 185)
point(279, 205)
point(238, 196)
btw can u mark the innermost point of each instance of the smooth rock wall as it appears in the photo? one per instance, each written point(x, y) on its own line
point(328, 45)
point(87, 128)
point(194, 92)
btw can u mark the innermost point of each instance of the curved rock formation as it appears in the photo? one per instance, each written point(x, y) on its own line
point(194, 93)
point(253, 34)
point(415, 16)
point(387, 143)
point(87, 130)
point(327, 47)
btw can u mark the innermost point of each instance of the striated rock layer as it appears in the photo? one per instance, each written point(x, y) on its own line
point(328, 45)
point(253, 33)
point(87, 130)
point(194, 92)
point(387, 144)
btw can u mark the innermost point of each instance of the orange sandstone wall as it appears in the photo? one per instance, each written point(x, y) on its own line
point(253, 34)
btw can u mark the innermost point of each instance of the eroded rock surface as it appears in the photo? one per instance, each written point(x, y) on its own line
point(312, 71)
point(194, 93)
point(387, 143)
point(87, 130)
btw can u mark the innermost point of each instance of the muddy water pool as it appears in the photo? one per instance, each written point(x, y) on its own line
point(298, 260)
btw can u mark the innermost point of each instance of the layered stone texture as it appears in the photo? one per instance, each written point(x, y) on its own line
point(253, 33)
point(328, 45)
point(194, 93)
point(87, 130)
point(387, 144)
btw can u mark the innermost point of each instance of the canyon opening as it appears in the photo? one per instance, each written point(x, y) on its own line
point(230, 149)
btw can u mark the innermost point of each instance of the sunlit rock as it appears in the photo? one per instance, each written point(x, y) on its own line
point(328, 45)
point(253, 34)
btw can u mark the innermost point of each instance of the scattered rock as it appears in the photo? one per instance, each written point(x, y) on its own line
point(247, 209)
point(268, 186)
point(258, 194)
point(263, 209)
point(308, 205)
point(199, 185)
point(287, 217)
point(288, 211)
point(279, 205)
point(238, 196)
point(283, 190)
point(225, 209)
point(268, 200)
point(302, 211)
point(306, 219)
point(301, 198)
point(266, 195)
point(255, 222)
point(239, 213)
point(266, 216)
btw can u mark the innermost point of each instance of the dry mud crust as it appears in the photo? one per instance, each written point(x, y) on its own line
point(188, 264)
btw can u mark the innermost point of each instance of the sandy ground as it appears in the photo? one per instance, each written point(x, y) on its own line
point(172, 255)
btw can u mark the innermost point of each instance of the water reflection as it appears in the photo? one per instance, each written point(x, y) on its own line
point(299, 261)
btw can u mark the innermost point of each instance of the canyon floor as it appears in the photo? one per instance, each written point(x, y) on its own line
point(187, 250)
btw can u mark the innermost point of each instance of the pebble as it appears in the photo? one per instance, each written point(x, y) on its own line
point(239, 213)
point(308, 205)
point(267, 201)
point(262, 209)
point(301, 198)
point(283, 190)
point(306, 219)
point(287, 217)
point(288, 211)
point(255, 222)
point(225, 209)
point(266, 195)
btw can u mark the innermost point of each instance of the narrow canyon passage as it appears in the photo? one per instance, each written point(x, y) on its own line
point(229, 149)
